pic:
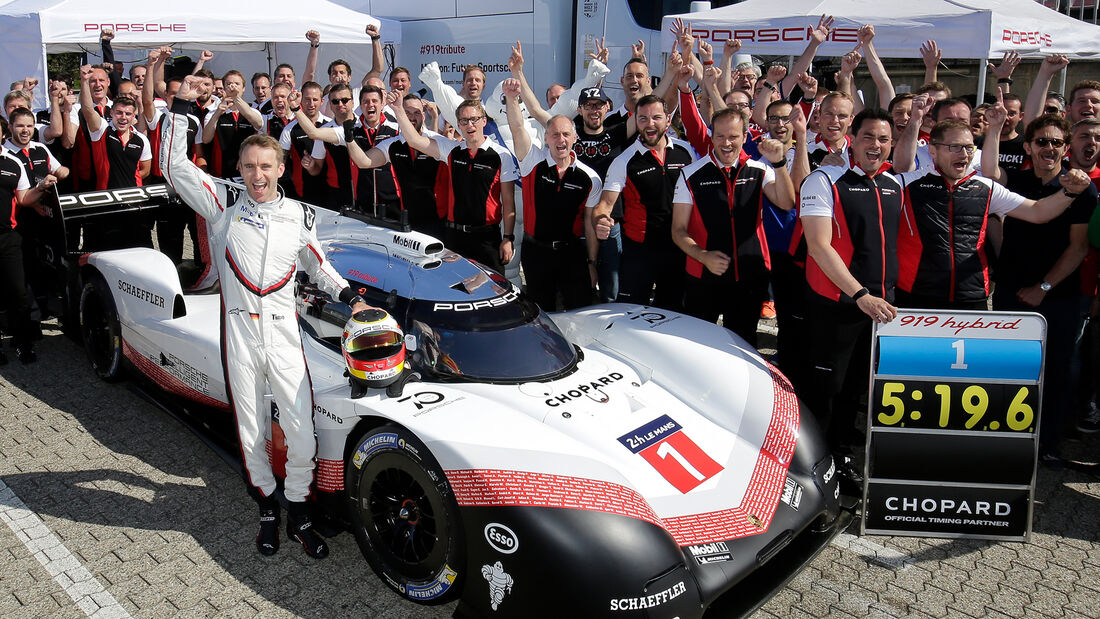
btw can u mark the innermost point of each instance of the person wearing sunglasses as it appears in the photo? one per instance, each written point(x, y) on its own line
point(1039, 266)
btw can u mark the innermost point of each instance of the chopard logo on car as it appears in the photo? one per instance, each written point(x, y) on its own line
point(650, 601)
point(141, 293)
point(584, 389)
point(501, 538)
point(323, 411)
point(469, 306)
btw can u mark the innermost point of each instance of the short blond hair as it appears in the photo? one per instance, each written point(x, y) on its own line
point(263, 141)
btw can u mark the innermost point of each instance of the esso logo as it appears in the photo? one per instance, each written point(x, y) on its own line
point(501, 538)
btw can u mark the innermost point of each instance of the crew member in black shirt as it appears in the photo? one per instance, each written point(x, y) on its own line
point(1039, 264)
point(481, 207)
point(226, 127)
point(645, 175)
point(717, 221)
point(850, 219)
point(558, 195)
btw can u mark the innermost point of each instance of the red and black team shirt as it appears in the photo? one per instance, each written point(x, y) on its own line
point(231, 129)
point(115, 160)
point(553, 203)
point(866, 213)
point(13, 177)
point(296, 182)
point(194, 136)
point(84, 177)
point(422, 182)
point(941, 241)
point(378, 185)
point(646, 180)
point(37, 160)
point(474, 198)
point(726, 214)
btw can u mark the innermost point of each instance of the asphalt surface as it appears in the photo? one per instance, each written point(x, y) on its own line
point(113, 508)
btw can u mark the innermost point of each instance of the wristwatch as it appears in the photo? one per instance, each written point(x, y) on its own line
point(1046, 286)
point(508, 237)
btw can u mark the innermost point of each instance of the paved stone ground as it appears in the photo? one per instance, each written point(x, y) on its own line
point(113, 508)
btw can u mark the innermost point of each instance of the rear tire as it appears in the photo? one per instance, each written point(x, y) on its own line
point(404, 516)
point(99, 328)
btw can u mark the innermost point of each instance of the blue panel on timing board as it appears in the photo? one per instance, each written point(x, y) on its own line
point(934, 357)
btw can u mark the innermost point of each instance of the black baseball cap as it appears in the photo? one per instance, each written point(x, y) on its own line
point(595, 92)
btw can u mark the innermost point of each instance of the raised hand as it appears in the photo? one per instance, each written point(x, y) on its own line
point(922, 104)
point(206, 55)
point(706, 52)
point(189, 88)
point(865, 34)
point(851, 61)
point(776, 73)
point(107, 34)
point(1054, 63)
point(394, 97)
point(931, 53)
point(373, 31)
point(996, 114)
point(515, 61)
point(710, 75)
point(602, 53)
point(731, 47)
point(313, 37)
point(1009, 62)
point(808, 84)
point(773, 149)
point(637, 50)
point(824, 27)
point(294, 99)
point(798, 122)
point(510, 87)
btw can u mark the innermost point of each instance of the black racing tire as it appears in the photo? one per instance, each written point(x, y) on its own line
point(99, 329)
point(404, 516)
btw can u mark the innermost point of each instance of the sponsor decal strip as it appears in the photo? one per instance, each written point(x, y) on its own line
point(166, 381)
point(492, 487)
point(330, 475)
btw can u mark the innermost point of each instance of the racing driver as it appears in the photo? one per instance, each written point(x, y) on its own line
point(259, 237)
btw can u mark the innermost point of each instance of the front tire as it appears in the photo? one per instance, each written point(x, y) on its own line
point(99, 328)
point(404, 516)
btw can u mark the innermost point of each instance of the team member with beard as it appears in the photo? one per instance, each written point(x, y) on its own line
point(206, 102)
point(717, 221)
point(942, 242)
point(559, 193)
point(481, 199)
point(1039, 263)
point(645, 175)
point(306, 179)
point(850, 218)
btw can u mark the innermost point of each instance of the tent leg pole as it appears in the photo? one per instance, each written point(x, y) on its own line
point(270, 71)
point(980, 98)
point(1062, 80)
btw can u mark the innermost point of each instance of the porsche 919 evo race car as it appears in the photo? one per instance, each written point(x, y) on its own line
point(616, 460)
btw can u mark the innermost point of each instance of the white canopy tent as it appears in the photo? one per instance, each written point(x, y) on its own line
point(978, 29)
point(246, 35)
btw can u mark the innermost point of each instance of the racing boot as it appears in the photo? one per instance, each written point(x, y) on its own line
point(267, 542)
point(299, 527)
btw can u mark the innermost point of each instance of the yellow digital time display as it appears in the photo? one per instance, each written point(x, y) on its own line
point(942, 405)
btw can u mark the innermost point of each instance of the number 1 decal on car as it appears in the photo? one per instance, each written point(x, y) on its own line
point(676, 457)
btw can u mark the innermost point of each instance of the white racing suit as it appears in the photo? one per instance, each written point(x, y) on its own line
point(257, 248)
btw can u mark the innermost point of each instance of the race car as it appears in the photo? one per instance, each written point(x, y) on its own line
point(613, 460)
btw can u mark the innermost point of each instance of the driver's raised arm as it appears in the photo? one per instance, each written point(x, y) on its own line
point(197, 188)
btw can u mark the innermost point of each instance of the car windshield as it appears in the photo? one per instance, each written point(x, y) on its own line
point(512, 342)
